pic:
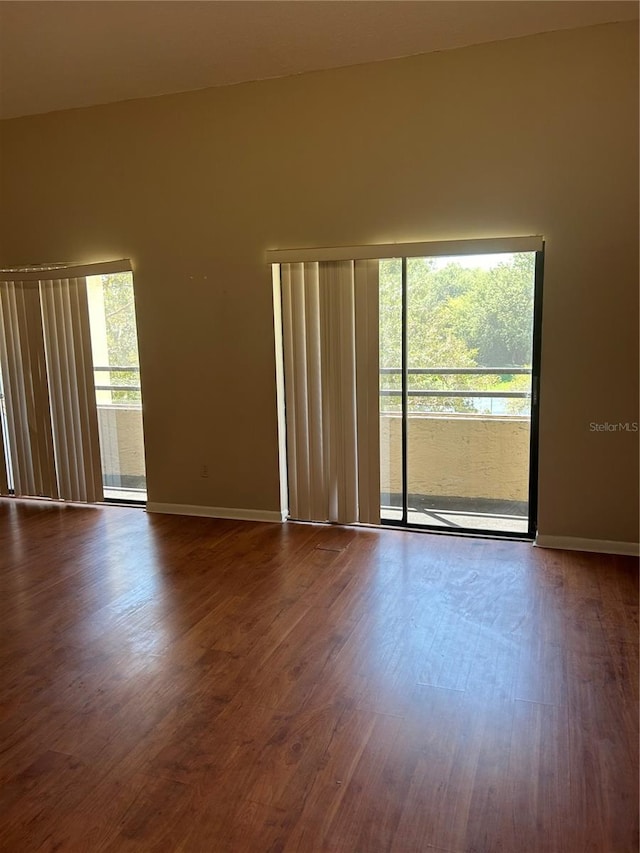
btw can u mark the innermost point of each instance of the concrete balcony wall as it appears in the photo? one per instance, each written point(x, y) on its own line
point(121, 444)
point(457, 456)
point(449, 455)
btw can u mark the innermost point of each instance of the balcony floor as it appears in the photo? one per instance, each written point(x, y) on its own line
point(455, 513)
point(111, 493)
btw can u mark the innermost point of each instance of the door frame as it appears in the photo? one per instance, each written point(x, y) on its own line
point(534, 422)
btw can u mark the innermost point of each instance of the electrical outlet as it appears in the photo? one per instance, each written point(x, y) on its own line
point(204, 471)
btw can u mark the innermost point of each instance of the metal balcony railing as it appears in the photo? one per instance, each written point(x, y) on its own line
point(456, 371)
point(117, 369)
point(483, 401)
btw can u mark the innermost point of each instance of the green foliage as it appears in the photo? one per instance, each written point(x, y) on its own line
point(495, 313)
point(122, 338)
point(457, 317)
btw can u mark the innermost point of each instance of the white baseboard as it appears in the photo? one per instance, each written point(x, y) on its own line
point(216, 512)
point(600, 546)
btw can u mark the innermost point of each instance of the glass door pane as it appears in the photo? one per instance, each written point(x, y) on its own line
point(469, 334)
point(391, 452)
point(114, 344)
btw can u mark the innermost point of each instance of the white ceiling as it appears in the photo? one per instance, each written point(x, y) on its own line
point(57, 54)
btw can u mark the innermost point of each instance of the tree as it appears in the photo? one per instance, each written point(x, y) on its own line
point(122, 337)
point(457, 316)
point(432, 337)
point(494, 314)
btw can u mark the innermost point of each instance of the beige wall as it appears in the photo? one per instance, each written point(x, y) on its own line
point(530, 136)
point(457, 456)
point(121, 440)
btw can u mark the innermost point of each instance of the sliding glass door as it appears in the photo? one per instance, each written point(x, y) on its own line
point(459, 360)
point(70, 400)
point(114, 345)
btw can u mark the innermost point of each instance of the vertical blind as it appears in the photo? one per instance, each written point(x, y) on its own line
point(45, 357)
point(74, 416)
point(22, 359)
point(4, 483)
point(330, 343)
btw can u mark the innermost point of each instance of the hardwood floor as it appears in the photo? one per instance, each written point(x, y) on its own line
point(183, 684)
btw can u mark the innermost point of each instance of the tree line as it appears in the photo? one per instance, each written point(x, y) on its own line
point(458, 316)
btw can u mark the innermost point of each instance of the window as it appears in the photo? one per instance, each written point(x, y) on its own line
point(451, 441)
point(63, 330)
point(116, 368)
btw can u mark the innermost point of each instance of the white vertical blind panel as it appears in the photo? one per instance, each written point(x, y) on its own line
point(4, 327)
point(318, 505)
point(327, 420)
point(92, 468)
point(338, 332)
point(367, 389)
point(35, 373)
point(287, 358)
point(300, 388)
point(303, 391)
point(348, 445)
point(25, 386)
point(4, 485)
point(330, 325)
point(15, 392)
point(60, 393)
point(278, 326)
point(290, 390)
point(295, 389)
point(65, 317)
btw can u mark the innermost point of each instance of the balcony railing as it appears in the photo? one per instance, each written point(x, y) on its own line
point(121, 437)
point(456, 371)
point(117, 369)
point(474, 394)
point(467, 448)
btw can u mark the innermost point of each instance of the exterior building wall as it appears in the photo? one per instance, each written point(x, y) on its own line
point(121, 443)
point(457, 456)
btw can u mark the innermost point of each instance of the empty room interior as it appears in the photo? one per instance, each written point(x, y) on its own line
point(319, 469)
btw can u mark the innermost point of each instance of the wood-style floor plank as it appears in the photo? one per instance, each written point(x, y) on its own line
point(214, 686)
